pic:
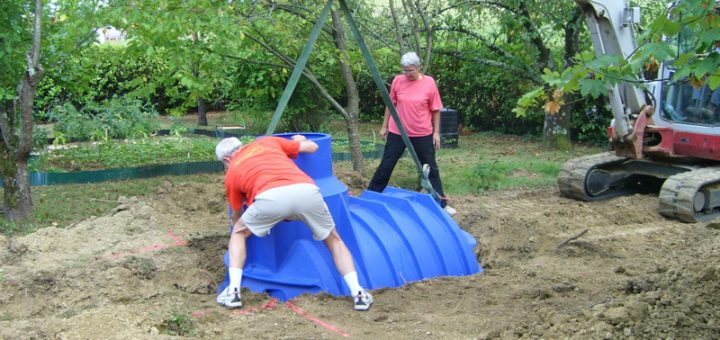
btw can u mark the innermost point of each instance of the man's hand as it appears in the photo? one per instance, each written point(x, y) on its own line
point(308, 146)
point(383, 132)
point(436, 140)
point(298, 138)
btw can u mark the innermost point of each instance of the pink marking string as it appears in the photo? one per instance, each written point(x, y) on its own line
point(178, 241)
point(235, 312)
point(317, 321)
point(153, 247)
point(270, 305)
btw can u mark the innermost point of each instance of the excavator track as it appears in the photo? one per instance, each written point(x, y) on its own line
point(692, 196)
point(576, 177)
point(573, 177)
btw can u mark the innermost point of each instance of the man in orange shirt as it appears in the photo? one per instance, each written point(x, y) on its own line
point(262, 176)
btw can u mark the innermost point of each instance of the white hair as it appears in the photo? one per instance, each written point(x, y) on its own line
point(226, 147)
point(410, 58)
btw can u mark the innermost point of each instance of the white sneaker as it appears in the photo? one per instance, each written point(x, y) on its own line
point(229, 299)
point(363, 301)
point(448, 209)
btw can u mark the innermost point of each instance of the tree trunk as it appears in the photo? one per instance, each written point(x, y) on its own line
point(408, 7)
point(556, 133)
point(351, 91)
point(557, 126)
point(201, 102)
point(16, 147)
point(18, 205)
point(427, 27)
point(398, 32)
point(202, 111)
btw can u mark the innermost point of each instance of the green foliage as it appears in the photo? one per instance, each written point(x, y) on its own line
point(254, 117)
point(39, 138)
point(114, 154)
point(177, 128)
point(114, 118)
point(142, 152)
point(498, 173)
point(190, 37)
point(485, 97)
point(179, 324)
point(15, 37)
point(344, 146)
point(372, 107)
point(485, 176)
point(17, 228)
point(693, 29)
point(100, 73)
point(590, 126)
point(529, 100)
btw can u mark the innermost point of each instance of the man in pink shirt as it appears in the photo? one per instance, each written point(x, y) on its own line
point(417, 101)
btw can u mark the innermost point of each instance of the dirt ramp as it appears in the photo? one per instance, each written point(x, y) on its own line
point(105, 275)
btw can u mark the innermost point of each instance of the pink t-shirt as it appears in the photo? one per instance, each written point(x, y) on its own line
point(415, 100)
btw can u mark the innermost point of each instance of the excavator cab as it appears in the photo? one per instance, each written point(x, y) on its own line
point(682, 102)
point(685, 101)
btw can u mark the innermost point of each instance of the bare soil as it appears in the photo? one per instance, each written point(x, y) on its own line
point(554, 268)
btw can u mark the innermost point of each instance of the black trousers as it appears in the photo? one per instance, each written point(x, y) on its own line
point(394, 148)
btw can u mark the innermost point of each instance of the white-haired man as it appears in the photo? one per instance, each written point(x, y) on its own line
point(262, 176)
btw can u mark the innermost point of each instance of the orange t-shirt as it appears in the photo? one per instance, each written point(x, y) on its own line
point(261, 165)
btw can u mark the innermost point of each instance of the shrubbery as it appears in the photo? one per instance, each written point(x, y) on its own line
point(101, 73)
point(82, 95)
point(114, 118)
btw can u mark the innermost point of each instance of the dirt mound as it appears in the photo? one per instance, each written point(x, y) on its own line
point(554, 268)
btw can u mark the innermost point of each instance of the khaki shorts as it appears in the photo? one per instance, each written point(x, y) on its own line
point(291, 202)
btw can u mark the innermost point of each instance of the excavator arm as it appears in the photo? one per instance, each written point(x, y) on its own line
point(610, 23)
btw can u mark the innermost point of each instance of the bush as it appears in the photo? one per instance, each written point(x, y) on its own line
point(39, 138)
point(590, 123)
point(114, 118)
point(100, 73)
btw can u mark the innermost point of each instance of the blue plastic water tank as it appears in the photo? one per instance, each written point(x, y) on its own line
point(395, 237)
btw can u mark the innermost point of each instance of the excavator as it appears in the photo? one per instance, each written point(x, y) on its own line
point(666, 136)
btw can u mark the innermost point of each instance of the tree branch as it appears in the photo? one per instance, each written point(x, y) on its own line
point(428, 33)
point(492, 63)
point(544, 60)
point(396, 21)
point(478, 3)
point(5, 126)
point(306, 72)
point(407, 5)
point(257, 62)
point(27, 94)
point(499, 51)
point(296, 10)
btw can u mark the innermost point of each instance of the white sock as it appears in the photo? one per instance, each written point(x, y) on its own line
point(235, 278)
point(351, 279)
